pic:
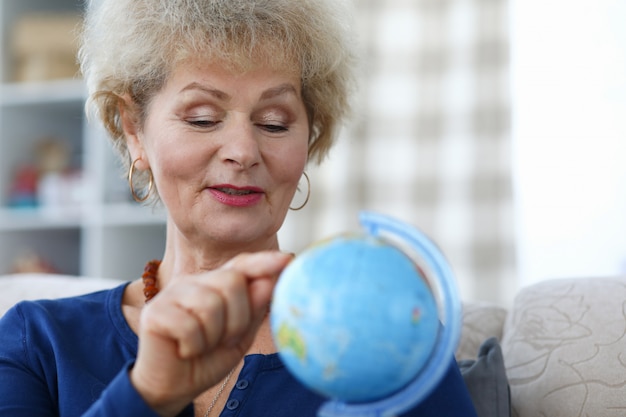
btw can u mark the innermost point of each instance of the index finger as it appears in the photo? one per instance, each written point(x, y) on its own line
point(259, 264)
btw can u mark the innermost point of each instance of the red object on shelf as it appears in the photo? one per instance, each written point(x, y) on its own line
point(23, 191)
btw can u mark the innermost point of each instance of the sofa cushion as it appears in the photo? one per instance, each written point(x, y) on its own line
point(565, 348)
point(487, 382)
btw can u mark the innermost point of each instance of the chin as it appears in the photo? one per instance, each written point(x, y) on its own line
point(243, 235)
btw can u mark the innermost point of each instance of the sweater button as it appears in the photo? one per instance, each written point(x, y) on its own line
point(232, 404)
point(242, 384)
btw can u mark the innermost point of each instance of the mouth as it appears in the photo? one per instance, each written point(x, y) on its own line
point(235, 191)
point(231, 195)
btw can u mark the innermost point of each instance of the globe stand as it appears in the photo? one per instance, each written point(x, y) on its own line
point(441, 280)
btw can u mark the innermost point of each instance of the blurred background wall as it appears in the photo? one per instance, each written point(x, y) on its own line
point(569, 134)
point(496, 126)
point(430, 140)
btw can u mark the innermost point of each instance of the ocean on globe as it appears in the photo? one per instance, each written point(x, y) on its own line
point(354, 319)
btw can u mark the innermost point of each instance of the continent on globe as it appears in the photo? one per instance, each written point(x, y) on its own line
point(289, 338)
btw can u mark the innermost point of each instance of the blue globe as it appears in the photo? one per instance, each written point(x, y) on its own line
point(354, 319)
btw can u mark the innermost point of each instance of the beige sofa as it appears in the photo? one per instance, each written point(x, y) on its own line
point(564, 341)
point(564, 346)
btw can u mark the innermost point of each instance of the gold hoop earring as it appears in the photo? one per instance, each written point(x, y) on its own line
point(132, 188)
point(308, 193)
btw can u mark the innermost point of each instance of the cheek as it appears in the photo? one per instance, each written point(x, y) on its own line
point(176, 171)
point(292, 164)
point(294, 183)
point(170, 161)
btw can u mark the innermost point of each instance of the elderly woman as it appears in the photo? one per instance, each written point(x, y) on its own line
point(215, 106)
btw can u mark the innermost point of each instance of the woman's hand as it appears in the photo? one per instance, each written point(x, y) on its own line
point(199, 327)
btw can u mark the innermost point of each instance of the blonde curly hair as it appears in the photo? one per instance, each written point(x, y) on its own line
point(129, 48)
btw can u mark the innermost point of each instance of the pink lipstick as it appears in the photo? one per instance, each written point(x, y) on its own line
point(231, 195)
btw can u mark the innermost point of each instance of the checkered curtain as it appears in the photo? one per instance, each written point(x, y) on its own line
point(430, 139)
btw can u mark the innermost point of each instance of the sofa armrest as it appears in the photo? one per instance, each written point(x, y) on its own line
point(564, 348)
point(18, 287)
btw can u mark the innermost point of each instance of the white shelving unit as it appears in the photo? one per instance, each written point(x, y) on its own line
point(106, 234)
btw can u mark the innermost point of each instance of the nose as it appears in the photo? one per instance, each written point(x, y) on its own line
point(240, 145)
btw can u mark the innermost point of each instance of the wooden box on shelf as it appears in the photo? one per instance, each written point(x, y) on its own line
point(44, 46)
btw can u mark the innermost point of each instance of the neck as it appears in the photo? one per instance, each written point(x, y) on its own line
point(185, 257)
point(263, 342)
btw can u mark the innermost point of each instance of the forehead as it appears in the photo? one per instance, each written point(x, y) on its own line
point(226, 72)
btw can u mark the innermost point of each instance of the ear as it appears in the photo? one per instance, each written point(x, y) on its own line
point(132, 131)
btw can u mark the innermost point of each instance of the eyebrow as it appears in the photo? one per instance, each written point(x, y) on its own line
point(219, 94)
point(279, 90)
point(266, 95)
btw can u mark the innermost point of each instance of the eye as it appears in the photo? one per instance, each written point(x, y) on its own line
point(272, 128)
point(202, 123)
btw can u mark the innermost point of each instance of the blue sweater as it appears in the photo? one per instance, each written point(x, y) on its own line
point(71, 357)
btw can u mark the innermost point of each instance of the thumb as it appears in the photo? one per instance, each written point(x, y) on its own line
point(262, 270)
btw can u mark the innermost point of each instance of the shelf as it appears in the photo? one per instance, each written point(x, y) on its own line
point(42, 93)
point(119, 214)
point(16, 219)
point(104, 232)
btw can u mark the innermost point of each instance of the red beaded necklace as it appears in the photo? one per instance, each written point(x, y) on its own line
point(149, 278)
